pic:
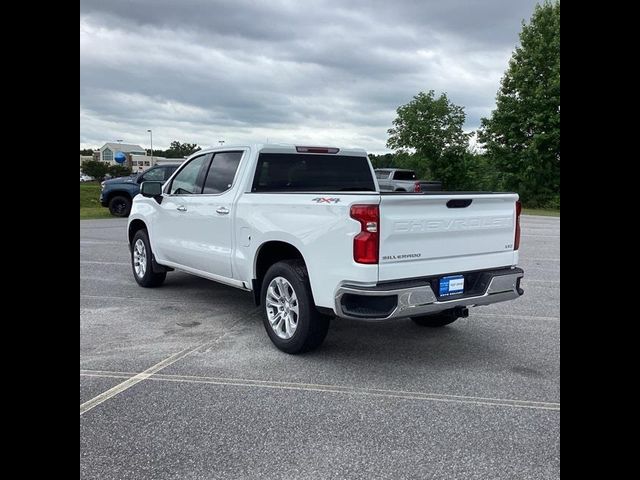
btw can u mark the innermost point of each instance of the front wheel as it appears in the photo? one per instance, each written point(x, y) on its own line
point(141, 261)
point(289, 314)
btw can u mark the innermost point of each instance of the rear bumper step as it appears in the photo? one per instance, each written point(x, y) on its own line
point(416, 297)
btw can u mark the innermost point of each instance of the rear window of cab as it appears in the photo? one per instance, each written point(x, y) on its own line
point(294, 172)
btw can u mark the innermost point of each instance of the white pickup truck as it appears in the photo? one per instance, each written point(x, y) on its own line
point(307, 230)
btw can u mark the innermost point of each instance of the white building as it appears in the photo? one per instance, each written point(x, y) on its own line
point(108, 151)
point(136, 156)
point(140, 163)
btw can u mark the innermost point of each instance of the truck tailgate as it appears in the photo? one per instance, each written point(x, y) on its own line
point(423, 235)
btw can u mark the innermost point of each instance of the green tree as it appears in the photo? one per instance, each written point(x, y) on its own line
point(156, 153)
point(522, 137)
point(179, 150)
point(412, 161)
point(432, 127)
point(87, 151)
point(382, 161)
point(95, 169)
point(119, 171)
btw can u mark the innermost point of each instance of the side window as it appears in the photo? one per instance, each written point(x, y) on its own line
point(221, 172)
point(185, 183)
point(155, 174)
point(382, 175)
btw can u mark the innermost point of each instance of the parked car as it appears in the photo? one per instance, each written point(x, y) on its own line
point(309, 232)
point(86, 178)
point(117, 193)
point(402, 180)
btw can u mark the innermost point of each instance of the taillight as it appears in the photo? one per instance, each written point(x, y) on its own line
point(516, 242)
point(416, 187)
point(365, 244)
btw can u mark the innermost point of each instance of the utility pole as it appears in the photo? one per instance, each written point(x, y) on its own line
point(151, 140)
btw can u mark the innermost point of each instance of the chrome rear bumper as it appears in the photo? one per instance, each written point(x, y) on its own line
point(417, 297)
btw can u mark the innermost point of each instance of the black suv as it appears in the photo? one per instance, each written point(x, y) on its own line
point(118, 193)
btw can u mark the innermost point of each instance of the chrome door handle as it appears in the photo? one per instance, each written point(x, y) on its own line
point(182, 208)
point(222, 211)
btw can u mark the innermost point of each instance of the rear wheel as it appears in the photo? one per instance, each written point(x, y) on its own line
point(289, 314)
point(437, 319)
point(141, 261)
point(120, 206)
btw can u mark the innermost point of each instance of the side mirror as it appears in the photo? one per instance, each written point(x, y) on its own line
point(151, 189)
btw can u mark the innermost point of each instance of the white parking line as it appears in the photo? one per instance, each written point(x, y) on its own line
point(121, 387)
point(311, 387)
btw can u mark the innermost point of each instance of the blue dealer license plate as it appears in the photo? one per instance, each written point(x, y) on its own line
point(451, 285)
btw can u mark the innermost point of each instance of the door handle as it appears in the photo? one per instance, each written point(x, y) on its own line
point(222, 210)
point(182, 208)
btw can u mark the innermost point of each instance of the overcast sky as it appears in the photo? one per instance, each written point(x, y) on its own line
point(305, 72)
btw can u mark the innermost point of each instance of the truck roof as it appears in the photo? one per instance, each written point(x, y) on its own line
point(287, 148)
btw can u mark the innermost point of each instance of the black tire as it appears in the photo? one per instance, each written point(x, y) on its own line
point(436, 320)
point(149, 279)
point(311, 326)
point(120, 206)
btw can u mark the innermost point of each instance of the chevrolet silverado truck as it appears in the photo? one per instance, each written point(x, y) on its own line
point(401, 180)
point(117, 193)
point(308, 232)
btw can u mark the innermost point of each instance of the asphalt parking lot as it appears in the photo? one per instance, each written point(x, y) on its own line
point(202, 393)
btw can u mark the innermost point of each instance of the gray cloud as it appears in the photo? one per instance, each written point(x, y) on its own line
point(324, 72)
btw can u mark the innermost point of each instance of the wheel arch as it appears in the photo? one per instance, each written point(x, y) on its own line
point(267, 254)
point(134, 226)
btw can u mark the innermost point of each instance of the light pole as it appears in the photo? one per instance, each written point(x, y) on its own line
point(151, 140)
